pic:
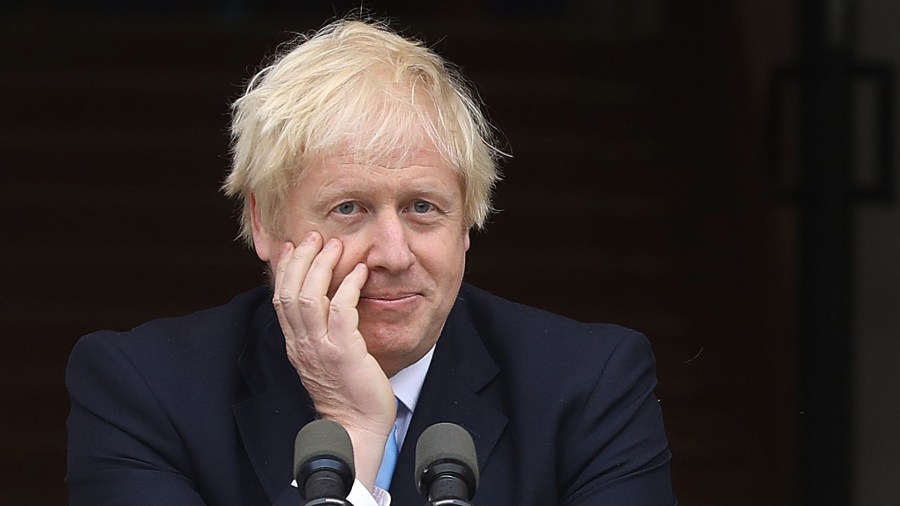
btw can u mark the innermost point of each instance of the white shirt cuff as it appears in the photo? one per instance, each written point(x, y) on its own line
point(360, 496)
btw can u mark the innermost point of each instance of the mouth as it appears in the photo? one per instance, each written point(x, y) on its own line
point(391, 300)
point(388, 297)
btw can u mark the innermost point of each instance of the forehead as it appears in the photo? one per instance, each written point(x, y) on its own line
point(423, 170)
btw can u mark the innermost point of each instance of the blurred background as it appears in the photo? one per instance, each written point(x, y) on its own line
point(719, 175)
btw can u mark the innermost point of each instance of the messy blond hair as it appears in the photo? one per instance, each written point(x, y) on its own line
point(355, 87)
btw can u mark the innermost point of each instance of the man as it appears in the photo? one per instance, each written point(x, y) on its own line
point(362, 162)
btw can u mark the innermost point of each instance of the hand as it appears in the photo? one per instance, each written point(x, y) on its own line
point(325, 346)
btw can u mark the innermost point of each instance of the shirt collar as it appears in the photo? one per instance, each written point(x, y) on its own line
point(407, 383)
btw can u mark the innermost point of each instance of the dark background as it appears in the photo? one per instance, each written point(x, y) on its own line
point(641, 191)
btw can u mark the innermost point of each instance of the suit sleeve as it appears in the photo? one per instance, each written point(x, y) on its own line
point(122, 446)
point(616, 448)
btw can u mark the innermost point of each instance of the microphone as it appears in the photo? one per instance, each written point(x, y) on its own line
point(323, 463)
point(446, 465)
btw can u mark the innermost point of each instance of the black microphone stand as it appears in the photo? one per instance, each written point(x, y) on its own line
point(323, 479)
point(448, 483)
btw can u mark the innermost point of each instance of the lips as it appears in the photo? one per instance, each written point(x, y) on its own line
point(388, 296)
point(390, 301)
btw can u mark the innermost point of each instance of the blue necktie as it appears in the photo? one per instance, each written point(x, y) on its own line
point(389, 460)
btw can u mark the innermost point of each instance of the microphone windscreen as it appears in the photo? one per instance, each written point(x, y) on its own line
point(445, 442)
point(322, 438)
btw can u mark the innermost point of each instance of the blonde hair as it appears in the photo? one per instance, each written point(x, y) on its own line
point(355, 87)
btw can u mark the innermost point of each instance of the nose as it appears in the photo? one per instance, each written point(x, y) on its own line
point(389, 248)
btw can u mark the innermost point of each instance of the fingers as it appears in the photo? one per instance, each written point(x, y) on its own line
point(343, 318)
point(291, 271)
point(313, 298)
point(302, 279)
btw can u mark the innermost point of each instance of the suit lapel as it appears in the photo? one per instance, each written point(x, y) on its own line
point(459, 372)
point(277, 407)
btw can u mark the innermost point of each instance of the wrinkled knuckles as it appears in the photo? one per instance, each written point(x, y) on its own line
point(306, 301)
point(285, 298)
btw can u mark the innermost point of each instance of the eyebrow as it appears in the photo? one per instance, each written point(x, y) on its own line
point(351, 185)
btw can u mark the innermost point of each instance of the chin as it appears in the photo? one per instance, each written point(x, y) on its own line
point(390, 341)
point(398, 345)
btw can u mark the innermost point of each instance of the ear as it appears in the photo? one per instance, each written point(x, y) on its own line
point(262, 238)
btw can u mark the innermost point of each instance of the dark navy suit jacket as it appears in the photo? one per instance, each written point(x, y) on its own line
point(204, 409)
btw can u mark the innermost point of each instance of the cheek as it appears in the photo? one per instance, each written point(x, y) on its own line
point(274, 253)
point(444, 258)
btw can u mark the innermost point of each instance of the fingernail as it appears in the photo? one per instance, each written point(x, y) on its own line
point(309, 237)
point(332, 244)
point(287, 248)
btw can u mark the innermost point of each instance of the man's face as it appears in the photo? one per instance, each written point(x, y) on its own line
point(405, 222)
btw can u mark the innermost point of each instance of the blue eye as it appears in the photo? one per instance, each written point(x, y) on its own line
point(422, 207)
point(346, 208)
